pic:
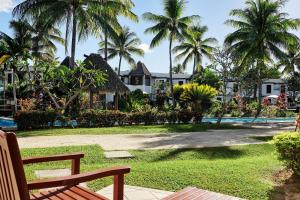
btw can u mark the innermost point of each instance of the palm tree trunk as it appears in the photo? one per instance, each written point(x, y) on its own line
point(73, 47)
point(194, 68)
point(14, 92)
point(171, 72)
point(117, 89)
point(105, 43)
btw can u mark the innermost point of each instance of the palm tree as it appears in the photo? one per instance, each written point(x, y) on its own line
point(178, 69)
point(107, 19)
point(39, 36)
point(172, 26)
point(262, 33)
point(195, 47)
point(124, 45)
point(292, 63)
point(44, 36)
point(78, 15)
point(13, 50)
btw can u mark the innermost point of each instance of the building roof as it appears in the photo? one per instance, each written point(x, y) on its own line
point(66, 62)
point(140, 69)
point(161, 75)
point(95, 61)
point(175, 76)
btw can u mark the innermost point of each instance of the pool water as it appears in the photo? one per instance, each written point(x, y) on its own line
point(250, 120)
point(7, 122)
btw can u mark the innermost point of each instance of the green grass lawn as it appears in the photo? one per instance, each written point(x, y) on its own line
point(243, 171)
point(127, 130)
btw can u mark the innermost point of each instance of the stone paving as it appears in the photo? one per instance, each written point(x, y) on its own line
point(41, 174)
point(211, 138)
point(117, 154)
point(136, 193)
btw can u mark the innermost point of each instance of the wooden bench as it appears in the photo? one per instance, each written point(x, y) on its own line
point(13, 184)
point(192, 193)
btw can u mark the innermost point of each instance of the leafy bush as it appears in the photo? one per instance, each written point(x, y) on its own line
point(288, 148)
point(172, 117)
point(270, 111)
point(34, 119)
point(235, 113)
point(284, 113)
point(250, 109)
point(94, 118)
point(215, 109)
point(161, 117)
point(185, 116)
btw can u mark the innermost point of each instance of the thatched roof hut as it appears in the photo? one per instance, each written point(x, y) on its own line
point(113, 82)
point(67, 62)
point(140, 69)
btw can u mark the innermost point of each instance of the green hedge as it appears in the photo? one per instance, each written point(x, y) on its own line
point(288, 148)
point(35, 119)
point(93, 118)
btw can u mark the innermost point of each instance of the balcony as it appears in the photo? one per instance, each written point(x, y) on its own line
point(144, 88)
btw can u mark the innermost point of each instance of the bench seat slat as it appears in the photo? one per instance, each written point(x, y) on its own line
point(67, 193)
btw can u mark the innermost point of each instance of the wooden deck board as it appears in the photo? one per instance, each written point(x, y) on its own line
point(192, 193)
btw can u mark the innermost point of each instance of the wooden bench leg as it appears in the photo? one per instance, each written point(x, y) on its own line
point(119, 187)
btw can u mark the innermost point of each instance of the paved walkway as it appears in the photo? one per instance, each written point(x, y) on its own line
point(136, 193)
point(211, 138)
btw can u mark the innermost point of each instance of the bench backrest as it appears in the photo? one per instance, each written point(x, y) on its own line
point(13, 185)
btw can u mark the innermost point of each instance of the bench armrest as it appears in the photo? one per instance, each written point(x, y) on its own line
point(73, 180)
point(75, 158)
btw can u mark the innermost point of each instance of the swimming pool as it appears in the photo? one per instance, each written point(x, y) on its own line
point(8, 122)
point(245, 120)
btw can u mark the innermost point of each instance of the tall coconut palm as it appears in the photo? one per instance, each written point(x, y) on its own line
point(43, 38)
point(107, 18)
point(14, 49)
point(292, 62)
point(262, 33)
point(195, 47)
point(124, 45)
point(74, 13)
point(172, 26)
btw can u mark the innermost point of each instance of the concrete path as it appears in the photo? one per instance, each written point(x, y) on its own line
point(136, 193)
point(211, 138)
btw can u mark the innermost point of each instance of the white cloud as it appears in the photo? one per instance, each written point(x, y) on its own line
point(146, 48)
point(6, 5)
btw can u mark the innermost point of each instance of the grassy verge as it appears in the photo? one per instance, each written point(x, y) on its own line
point(126, 130)
point(243, 171)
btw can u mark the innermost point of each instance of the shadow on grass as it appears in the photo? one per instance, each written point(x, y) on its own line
point(263, 138)
point(204, 153)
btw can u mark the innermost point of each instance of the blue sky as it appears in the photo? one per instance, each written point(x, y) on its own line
point(213, 14)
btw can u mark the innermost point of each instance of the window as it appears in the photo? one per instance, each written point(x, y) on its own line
point(269, 89)
point(180, 82)
point(235, 87)
point(136, 80)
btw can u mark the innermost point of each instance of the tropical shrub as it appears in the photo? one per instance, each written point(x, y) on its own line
point(198, 97)
point(215, 109)
point(95, 118)
point(288, 148)
point(185, 116)
point(34, 119)
point(249, 109)
point(172, 117)
point(236, 113)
